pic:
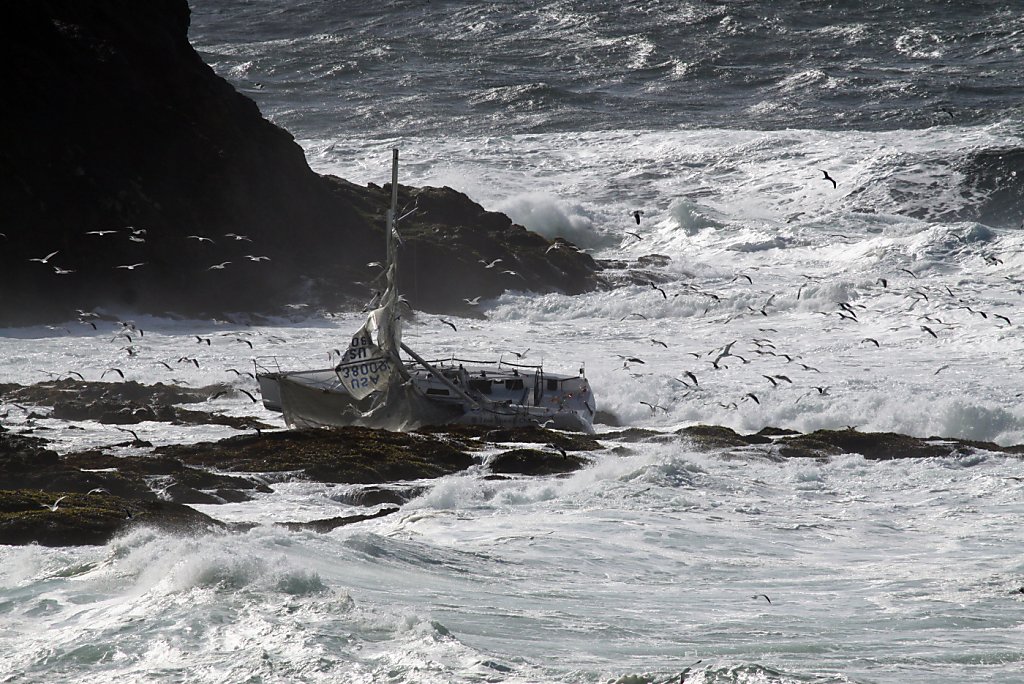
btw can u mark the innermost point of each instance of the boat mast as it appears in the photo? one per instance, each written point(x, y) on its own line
point(392, 217)
point(393, 211)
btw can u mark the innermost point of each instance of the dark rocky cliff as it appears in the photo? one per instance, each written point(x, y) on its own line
point(112, 122)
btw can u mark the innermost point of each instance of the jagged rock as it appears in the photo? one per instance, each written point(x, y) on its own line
point(113, 122)
point(328, 524)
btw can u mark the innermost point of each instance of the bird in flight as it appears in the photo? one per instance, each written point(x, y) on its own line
point(829, 178)
point(53, 506)
point(131, 267)
point(46, 259)
point(654, 407)
point(219, 267)
point(449, 323)
point(134, 434)
point(199, 238)
point(472, 302)
point(489, 264)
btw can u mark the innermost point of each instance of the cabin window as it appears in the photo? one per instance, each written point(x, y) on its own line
point(552, 385)
point(434, 390)
point(514, 384)
point(480, 385)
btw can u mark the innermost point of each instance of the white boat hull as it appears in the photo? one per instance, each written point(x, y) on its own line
point(498, 397)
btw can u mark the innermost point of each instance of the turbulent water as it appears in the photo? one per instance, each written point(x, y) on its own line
point(890, 302)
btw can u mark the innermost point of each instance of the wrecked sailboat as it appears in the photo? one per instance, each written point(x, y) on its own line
point(374, 386)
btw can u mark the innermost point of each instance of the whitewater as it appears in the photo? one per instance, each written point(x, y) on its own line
point(891, 302)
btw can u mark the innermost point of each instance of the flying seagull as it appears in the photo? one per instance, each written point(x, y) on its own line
point(53, 506)
point(134, 434)
point(829, 178)
point(449, 323)
point(131, 267)
point(46, 259)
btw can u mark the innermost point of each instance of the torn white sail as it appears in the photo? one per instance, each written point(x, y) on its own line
point(371, 360)
point(366, 367)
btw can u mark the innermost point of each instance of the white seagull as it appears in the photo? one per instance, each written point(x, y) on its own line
point(46, 259)
point(131, 267)
point(54, 505)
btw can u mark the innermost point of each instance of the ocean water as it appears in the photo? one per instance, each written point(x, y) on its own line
point(717, 120)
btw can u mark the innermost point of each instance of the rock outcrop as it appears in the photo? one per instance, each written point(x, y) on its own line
point(112, 122)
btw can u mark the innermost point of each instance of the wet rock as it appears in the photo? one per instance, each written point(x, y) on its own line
point(653, 260)
point(570, 441)
point(376, 495)
point(172, 479)
point(79, 519)
point(328, 524)
point(351, 455)
point(25, 463)
point(719, 437)
point(772, 432)
point(127, 403)
point(535, 462)
point(880, 445)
